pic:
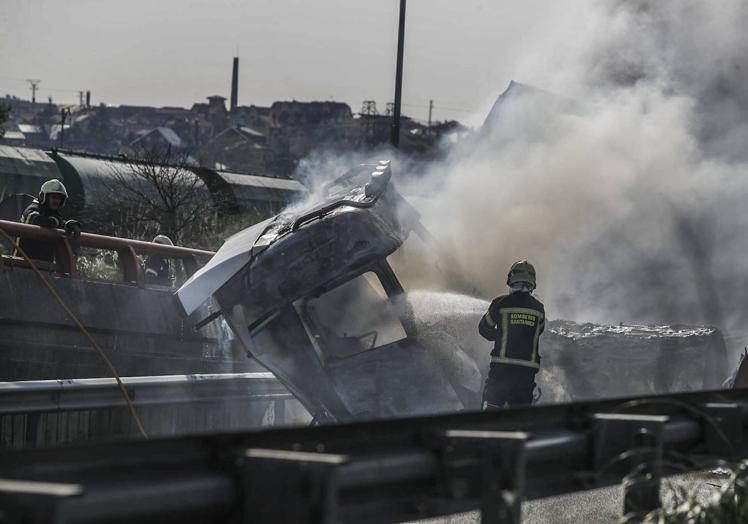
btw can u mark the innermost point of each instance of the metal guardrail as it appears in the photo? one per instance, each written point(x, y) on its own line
point(126, 249)
point(54, 412)
point(384, 471)
point(41, 396)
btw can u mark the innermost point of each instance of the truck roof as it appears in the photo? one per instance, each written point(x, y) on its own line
point(359, 206)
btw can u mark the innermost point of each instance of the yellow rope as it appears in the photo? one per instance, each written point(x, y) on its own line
point(77, 322)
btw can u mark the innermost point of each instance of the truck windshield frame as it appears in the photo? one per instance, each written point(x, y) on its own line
point(354, 317)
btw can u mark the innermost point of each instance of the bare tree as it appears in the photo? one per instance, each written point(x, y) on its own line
point(154, 193)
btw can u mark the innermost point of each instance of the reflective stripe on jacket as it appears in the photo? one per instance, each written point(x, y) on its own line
point(514, 322)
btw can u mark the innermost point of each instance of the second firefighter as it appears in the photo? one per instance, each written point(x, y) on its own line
point(514, 323)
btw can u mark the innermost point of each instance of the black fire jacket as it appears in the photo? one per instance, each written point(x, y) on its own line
point(40, 215)
point(514, 322)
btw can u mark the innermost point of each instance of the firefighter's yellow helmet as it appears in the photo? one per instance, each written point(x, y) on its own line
point(50, 187)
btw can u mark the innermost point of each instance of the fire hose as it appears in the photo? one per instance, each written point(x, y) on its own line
point(83, 330)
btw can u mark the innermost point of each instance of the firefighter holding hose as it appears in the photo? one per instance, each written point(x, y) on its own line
point(514, 323)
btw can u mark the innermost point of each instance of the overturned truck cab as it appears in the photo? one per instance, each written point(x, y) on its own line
point(311, 296)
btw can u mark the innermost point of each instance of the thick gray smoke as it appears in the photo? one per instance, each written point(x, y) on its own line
point(626, 186)
point(620, 174)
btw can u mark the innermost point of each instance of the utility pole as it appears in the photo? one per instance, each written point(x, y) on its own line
point(395, 137)
point(64, 113)
point(368, 112)
point(431, 109)
point(34, 87)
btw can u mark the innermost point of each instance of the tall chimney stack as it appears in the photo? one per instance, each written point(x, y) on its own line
point(234, 84)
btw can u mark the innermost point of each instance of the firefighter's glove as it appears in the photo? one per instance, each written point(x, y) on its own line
point(73, 229)
point(45, 221)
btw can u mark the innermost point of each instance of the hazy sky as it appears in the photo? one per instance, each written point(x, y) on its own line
point(461, 54)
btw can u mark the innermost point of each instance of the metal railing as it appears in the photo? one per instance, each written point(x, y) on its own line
point(43, 396)
point(385, 471)
point(127, 251)
point(52, 412)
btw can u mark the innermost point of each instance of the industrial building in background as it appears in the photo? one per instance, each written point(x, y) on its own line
point(265, 140)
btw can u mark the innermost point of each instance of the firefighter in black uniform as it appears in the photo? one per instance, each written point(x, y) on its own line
point(514, 322)
point(156, 266)
point(45, 211)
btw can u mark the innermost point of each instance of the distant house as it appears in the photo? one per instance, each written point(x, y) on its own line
point(26, 108)
point(294, 128)
point(214, 112)
point(34, 135)
point(256, 117)
point(30, 130)
point(161, 139)
point(13, 138)
point(238, 148)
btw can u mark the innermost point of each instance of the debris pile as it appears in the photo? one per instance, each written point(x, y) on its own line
point(579, 361)
point(593, 360)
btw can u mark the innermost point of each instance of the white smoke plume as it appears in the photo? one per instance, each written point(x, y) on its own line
point(625, 187)
point(620, 174)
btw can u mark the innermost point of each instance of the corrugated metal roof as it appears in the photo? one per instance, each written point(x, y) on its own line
point(101, 177)
point(94, 168)
point(170, 136)
point(23, 170)
point(29, 129)
point(27, 162)
point(13, 135)
point(166, 133)
point(246, 133)
point(284, 184)
point(252, 187)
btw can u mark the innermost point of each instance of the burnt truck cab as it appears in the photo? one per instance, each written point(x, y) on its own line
point(311, 296)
